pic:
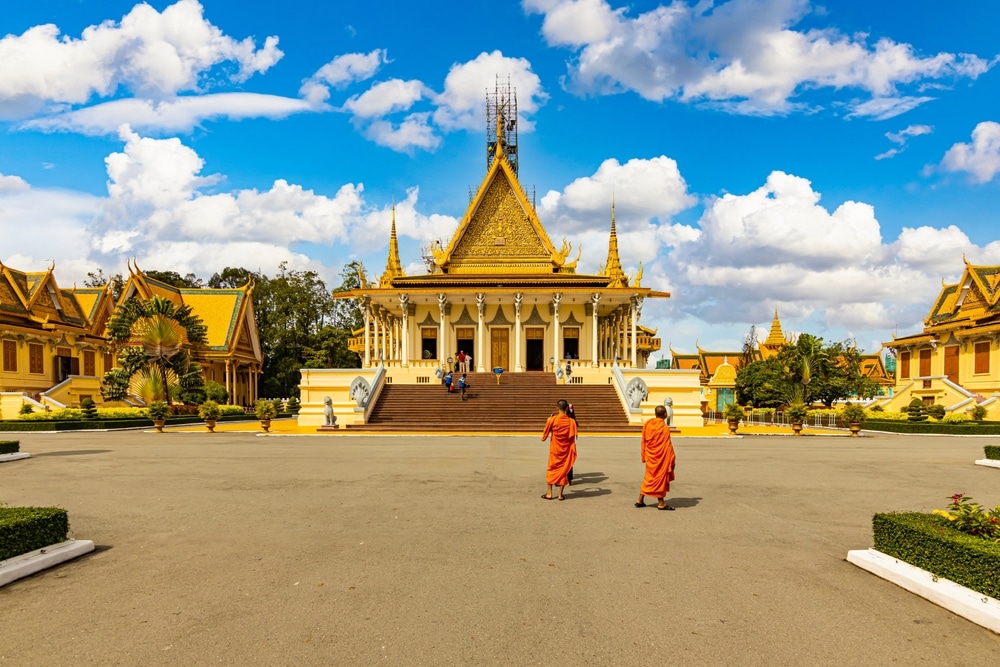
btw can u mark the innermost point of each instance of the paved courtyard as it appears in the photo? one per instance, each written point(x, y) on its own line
point(234, 549)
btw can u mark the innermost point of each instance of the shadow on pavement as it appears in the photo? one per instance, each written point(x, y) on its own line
point(74, 452)
point(682, 502)
point(586, 493)
point(589, 477)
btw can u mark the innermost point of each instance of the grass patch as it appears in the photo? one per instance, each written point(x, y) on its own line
point(923, 541)
point(10, 446)
point(24, 529)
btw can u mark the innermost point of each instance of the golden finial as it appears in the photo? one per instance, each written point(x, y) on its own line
point(393, 267)
point(613, 267)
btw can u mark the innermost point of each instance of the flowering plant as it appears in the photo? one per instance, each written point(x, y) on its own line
point(969, 517)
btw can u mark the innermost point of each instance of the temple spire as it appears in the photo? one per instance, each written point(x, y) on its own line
point(393, 267)
point(613, 267)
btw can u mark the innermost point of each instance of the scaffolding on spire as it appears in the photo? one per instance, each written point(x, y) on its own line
point(501, 124)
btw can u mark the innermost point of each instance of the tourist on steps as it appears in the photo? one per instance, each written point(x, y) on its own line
point(463, 362)
point(658, 454)
point(447, 381)
point(562, 449)
point(463, 384)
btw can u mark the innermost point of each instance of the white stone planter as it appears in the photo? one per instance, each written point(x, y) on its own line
point(976, 607)
point(16, 456)
point(991, 463)
point(35, 561)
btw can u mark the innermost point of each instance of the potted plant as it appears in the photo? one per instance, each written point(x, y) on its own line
point(158, 411)
point(265, 412)
point(210, 412)
point(733, 413)
point(853, 415)
point(797, 413)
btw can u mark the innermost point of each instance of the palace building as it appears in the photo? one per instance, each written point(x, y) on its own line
point(501, 291)
point(955, 360)
point(55, 351)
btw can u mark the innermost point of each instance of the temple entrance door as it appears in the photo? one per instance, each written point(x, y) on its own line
point(500, 348)
point(951, 362)
point(535, 357)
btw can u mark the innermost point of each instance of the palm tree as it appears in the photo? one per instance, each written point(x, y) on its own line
point(154, 337)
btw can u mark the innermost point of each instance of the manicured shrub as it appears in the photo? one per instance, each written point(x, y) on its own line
point(216, 392)
point(979, 413)
point(209, 411)
point(24, 529)
point(936, 411)
point(294, 406)
point(853, 414)
point(963, 428)
point(264, 409)
point(157, 410)
point(88, 409)
point(733, 413)
point(226, 410)
point(956, 418)
point(992, 452)
point(10, 446)
point(797, 413)
point(26, 409)
point(878, 408)
point(922, 541)
point(279, 405)
point(917, 411)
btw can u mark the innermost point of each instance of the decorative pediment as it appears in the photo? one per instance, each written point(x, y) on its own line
point(429, 321)
point(500, 319)
point(500, 232)
point(571, 321)
point(465, 319)
point(536, 319)
point(988, 280)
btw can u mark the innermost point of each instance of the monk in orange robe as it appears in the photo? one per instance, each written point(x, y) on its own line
point(658, 455)
point(562, 449)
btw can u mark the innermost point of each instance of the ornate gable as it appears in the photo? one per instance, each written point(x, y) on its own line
point(988, 280)
point(500, 232)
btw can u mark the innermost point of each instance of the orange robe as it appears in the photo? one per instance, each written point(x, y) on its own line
point(658, 455)
point(562, 448)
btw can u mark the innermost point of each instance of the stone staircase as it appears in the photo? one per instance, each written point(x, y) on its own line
point(520, 403)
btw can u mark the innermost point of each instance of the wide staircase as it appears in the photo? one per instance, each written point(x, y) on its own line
point(521, 402)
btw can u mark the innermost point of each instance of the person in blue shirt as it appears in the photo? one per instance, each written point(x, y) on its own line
point(463, 384)
point(447, 381)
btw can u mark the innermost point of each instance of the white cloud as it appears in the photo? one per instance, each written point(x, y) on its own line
point(413, 132)
point(12, 184)
point(883, 108)
point(744, 55)
point(385, 98)
point(149, 53)
point(902, 137)
point(341, 71)
point(178, 114)
point(981, 157)
point(460, 106)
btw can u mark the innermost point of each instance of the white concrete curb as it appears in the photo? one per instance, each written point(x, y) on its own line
point(27, 564)
point(992, 463)
point(16, 456)
point(976, 607)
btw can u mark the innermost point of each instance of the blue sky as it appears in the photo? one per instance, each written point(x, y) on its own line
point(834, 161)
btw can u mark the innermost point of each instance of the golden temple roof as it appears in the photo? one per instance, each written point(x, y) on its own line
point(34, 298)
point(613, 266)
point(393, 267)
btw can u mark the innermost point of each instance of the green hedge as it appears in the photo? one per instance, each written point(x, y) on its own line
point(24, 529)
point(965, 428)
point(77, 425)
point(10, 446)
point(922, 541)
point(992, 452)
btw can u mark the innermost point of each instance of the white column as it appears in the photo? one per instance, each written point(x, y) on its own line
point(393, 337)
point(368, 349)
point(518, 368)
point(442, 355)
point(556, 298)
point(375, 331)
point(594, 299)
point(481, 306)
point(635, 317)
point(385, 338)
point(229, 390)
point(404, 301)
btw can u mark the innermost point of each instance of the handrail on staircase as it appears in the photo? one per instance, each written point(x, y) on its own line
point(377, 383)
point(619, 384)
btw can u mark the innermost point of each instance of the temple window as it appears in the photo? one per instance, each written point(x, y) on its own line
point(904, 365)
point(428, 342)
point(925, 362)
point(465, 339)
point(109, 361)
point(571, 342)
point(951, 363)
point(89, 363)
point(10, 356)
point(982, 361)
point(36, 362)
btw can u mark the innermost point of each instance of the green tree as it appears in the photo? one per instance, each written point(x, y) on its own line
point(153, 338)
point(98, 279)
point(177, 280)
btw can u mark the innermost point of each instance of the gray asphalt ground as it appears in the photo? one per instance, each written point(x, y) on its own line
point(351, 550)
